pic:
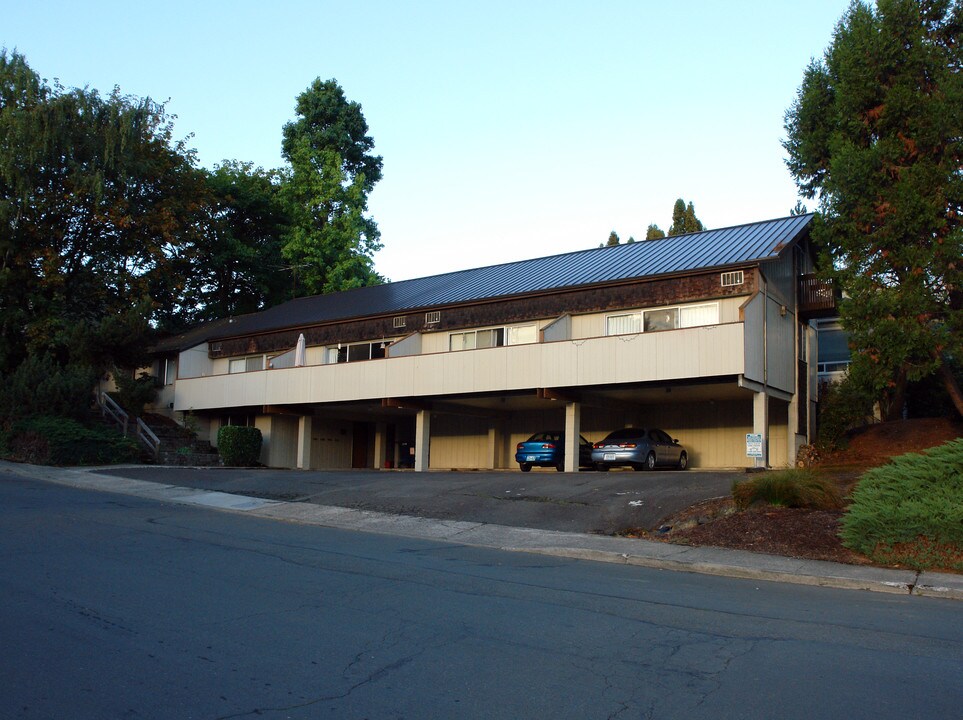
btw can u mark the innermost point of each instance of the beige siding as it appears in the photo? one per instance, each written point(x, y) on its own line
point(330, 444)
point(195, 363)
point(459, 442)
point(714, 350)
point(714, 434)
point(279, 440)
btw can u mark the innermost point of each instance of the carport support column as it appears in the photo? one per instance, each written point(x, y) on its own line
point(760, 423)
point(304, 442)
point(573, 422)
point(379, 445)
point(422, 439)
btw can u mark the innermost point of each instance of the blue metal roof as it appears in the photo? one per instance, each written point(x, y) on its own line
point(740, 245)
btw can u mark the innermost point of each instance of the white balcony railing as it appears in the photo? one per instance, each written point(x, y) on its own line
point(708, 351)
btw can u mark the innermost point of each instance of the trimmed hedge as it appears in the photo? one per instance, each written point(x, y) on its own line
point(788, 488)
point(47, 440)
point(910, 511)
point(239, 445)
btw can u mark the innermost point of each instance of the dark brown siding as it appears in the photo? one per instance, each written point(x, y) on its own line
point(651, 293)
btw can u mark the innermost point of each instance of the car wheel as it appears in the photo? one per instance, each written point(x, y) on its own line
point(683, 461)
point(560, 466)
point(524, 467)
point(601, 467)
point(650, 461)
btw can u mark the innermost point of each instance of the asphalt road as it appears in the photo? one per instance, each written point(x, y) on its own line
point(586, 502)
point(121, 607)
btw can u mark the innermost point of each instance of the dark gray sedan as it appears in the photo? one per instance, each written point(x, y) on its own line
point(640, 448)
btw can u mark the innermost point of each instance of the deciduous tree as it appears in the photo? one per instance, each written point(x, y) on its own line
point(876, 136)
point(96, 198)
point(332, 171)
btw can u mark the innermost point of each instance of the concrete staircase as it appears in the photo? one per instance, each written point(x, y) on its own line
point(178, 445)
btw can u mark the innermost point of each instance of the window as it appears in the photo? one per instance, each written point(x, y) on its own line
point(433, 317)
point(170, 371)
point(668, 318)
point(472, 339)
point(622, 324)
point(696, 315)
point(399, 322)
point(665, 319)
point(357, 352)
point(729, 279)
point(249, 364)
point(522, 334)
point(490, 338)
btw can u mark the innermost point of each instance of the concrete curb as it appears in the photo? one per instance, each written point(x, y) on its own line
point(598, 548)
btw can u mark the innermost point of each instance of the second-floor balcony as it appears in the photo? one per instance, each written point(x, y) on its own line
point(817, 297)
point(673, 355)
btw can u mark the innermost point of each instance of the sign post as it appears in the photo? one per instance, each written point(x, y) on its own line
point(754, 447)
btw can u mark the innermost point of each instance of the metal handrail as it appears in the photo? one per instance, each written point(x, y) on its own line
point(110, 408)
point(148, 438)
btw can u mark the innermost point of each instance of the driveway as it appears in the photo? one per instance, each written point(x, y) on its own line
point(585, 502)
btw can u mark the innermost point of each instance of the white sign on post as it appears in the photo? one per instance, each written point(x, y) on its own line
point(754, 445)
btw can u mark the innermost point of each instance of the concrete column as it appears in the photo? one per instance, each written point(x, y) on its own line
point(760, 421)
point(573, 423)
point(792, 429)
point(304, 442)
point(265, 423)
point(493, 437)
point(379, 445)
point(422, 439)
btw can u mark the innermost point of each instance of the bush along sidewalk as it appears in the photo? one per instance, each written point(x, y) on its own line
point(62, 441)
point(910, 512)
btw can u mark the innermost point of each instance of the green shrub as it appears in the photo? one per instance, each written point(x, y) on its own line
point(134, 393)
point(910, 511)
point(45, 440)
point(239, 445)
point(788, 488)
point(843, 406)
point(41, 387)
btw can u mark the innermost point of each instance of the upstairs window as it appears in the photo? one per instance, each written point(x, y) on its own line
point(493, 337)
point(668, 318)
point(356, 352)
point(248, 364)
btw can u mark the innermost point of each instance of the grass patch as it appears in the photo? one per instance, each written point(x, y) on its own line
point(910, 511)
point(788, 488)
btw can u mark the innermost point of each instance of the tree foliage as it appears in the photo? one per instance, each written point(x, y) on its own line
point(653, 232)
point(876, 136)
point(109, 232)
point(329, 240)
point(684, 219)
point(237, 266)
point(96, 198)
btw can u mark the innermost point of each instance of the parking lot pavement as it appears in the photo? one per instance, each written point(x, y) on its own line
point(584, 502)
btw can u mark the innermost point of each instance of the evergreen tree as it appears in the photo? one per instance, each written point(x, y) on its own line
point(654, 233)
point(876, 136)
point(684, 219)
point(613, 239)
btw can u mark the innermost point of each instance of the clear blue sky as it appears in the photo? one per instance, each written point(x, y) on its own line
point(509, 130)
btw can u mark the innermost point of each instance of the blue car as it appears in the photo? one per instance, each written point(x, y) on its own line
point(547, 449)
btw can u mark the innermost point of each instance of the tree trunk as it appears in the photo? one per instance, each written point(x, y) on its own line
point(952, 387)
point(896, 399)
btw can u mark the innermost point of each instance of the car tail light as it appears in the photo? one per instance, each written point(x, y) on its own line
point(519, 446)
point(597, 445)
point(626, 445)
point(548, 446)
